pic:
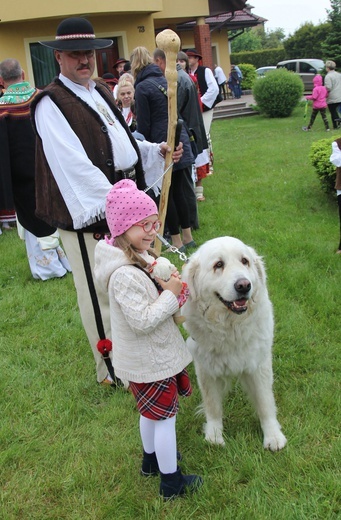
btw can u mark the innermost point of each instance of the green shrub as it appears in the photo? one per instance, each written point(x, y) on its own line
point(259, 58)
point(249, 75)
point(320, 158)
point(278, 93)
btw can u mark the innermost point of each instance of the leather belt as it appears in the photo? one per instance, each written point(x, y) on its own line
point(129, 173)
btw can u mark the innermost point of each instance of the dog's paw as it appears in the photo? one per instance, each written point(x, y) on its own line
point(214, 434)
point(275, 441)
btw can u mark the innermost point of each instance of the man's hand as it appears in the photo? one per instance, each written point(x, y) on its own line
point(177, 154)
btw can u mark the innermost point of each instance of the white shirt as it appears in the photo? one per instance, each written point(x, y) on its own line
point(82, 184)
point(212, 88)
point(219, 75)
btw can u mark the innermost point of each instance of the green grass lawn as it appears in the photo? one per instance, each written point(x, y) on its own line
point(70, 449)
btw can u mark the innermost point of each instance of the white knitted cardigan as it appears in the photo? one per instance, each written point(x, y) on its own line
point(147, 344)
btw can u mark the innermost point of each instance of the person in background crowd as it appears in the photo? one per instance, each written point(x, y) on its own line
point(209, 91)
point(119, 66)
point(152, 121)
point(17, 151)
point(76, 166)
point(234, 83)
point(221, 80)
point(202, 161)
point(126, 76)
point(318, 96)
point(189, 111)
point(125, 102)
point(7, 213)
point(127, 67)
point(332, 82)
point(8, 218)
point(335, 159)
point(240, 76)
point(110, 80)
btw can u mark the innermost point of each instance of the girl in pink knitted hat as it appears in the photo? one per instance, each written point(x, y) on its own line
point(149, 350)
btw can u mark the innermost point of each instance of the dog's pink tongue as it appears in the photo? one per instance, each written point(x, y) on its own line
point(240, 303)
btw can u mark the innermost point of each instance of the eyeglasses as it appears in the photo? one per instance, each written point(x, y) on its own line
point(148, 226)
point(76, 55)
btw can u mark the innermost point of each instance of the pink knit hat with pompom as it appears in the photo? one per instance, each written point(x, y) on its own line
point(126, 205)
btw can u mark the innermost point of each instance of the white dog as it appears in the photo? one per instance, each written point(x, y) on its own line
point(230, 320)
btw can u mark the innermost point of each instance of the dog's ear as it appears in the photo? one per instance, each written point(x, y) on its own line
point(190, 277)
point(258, 260)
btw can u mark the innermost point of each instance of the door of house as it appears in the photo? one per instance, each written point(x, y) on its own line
point(106, 58)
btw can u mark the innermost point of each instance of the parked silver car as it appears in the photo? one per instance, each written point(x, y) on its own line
point(306, 68)
point(263, 70)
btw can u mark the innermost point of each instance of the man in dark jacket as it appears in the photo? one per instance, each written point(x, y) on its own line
point(152, 122)
point(189, 111)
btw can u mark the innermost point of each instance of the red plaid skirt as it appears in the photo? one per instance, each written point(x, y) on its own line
point(159, 400)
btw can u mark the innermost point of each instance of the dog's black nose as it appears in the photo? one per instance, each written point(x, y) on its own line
point(242, 285)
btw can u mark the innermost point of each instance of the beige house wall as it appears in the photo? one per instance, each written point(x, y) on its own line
point(41, 9)
point(16, 44)
point(182, 9)
point(135, 27)
point(220, 47)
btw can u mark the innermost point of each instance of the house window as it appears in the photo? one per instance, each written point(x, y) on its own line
point(44, 64)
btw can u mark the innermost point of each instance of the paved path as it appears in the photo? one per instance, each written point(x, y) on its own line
point(246, 98)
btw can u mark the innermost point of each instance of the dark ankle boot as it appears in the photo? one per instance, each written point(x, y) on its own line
point(175, 484)
point(150, 466)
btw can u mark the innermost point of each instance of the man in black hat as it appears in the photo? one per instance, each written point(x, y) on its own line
point(83, 147)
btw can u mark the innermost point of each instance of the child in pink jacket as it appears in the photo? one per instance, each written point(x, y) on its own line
point(319, 96)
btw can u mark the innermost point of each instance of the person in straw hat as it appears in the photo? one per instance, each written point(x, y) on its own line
point(84, 146)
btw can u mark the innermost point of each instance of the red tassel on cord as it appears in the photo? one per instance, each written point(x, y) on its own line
point(104, 346)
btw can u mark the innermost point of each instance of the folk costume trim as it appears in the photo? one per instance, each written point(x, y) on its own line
point(17, 93)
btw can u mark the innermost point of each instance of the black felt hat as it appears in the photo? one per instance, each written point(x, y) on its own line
point(109, 78)
point(193, 52)
point(119, 61)
point(76, 34)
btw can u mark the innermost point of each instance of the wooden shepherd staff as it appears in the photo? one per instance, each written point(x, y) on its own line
point(169, 42)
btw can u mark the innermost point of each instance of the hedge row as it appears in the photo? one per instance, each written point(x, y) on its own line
point(263, 58)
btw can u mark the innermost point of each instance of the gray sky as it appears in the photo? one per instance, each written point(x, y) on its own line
point(290, 15)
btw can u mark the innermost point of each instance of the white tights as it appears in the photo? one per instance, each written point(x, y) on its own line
point(160, 436)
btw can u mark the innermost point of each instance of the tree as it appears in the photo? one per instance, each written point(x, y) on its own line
point(332, 44)
point(270, 39)
point(247, 41)
point(306, 42)
point(257, 39)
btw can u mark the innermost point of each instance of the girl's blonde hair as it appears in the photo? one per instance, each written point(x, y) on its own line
point(139, 59)
point(126, 77)
point(124, 83)
point(123, 243)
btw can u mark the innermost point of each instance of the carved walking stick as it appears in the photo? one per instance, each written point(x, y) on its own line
point(169, 42)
